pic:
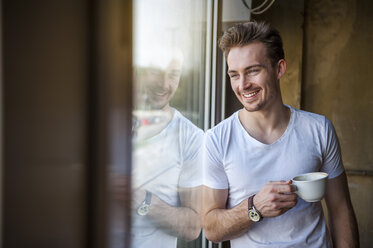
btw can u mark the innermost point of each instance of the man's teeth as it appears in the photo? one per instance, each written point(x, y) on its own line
point(160, 93)
point(251, 94)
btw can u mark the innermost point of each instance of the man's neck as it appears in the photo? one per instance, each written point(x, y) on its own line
point(155, 121)
point(268, 125)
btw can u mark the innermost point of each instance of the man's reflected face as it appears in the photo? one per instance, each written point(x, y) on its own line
point(161, 85)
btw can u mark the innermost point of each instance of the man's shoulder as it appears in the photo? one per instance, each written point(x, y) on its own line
point(223, 126)
point(311, 121)
point(182, 120)
point(309, 117)
point(186, 129)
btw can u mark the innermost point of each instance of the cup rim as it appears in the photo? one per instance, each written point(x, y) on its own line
point(324, 175)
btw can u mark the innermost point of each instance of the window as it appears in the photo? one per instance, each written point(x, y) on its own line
point(169, 88)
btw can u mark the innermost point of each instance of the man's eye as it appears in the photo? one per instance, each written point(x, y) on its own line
point(233, 76)
point(253, 71)
point(173, 76)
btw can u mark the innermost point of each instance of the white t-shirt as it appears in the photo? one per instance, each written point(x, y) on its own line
point(236, 161)
point(162, 164)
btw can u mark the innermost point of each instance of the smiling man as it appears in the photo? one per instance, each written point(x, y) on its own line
point(251, 157)
point(166, 174)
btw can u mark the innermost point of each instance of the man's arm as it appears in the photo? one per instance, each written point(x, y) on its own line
point(221, 224)
point(341, 216)
point(183, 222)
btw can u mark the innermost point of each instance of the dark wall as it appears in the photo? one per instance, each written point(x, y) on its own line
point(45, 81)
point(338, 84)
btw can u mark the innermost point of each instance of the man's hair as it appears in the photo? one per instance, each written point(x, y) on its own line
point(243, 34)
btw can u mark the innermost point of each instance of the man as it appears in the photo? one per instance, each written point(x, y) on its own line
point(166, 160)
point(251, 157)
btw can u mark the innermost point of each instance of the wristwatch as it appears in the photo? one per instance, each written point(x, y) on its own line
point(254, 214)
point(144, 207)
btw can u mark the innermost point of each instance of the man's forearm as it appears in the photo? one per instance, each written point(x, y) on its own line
point(344, 229)
point(226, 224)
point(182, 222)
point(342, 220)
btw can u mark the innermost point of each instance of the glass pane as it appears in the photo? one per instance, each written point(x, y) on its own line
point(169, 42)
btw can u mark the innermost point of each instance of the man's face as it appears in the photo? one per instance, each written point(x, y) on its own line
point(161, 85)
point(253, 78)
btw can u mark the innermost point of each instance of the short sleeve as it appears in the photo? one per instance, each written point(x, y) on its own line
point(214, 175)
point(191, 171)
point(332, 157)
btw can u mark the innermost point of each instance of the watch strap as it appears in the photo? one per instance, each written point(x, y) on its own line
point(251, 202)
point(253, 213)
point(148, 198)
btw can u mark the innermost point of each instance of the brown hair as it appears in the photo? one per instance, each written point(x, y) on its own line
point(243, 34)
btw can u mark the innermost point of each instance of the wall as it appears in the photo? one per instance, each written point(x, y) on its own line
point(338, 83)
point(44, 44)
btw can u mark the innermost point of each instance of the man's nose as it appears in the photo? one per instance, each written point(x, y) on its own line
point(159, 80)
point(166, 82)
point(245, 82)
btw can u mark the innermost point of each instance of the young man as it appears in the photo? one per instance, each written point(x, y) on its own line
point(251, 157)
point(166, 172)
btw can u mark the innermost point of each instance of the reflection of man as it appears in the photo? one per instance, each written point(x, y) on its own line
point(161, 85)
point(252, 155)
point(166, 164)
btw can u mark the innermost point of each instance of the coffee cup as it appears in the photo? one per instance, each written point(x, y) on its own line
point(311, 186)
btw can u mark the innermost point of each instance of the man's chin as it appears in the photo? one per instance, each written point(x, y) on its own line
point(253, 108)
point(158, 105)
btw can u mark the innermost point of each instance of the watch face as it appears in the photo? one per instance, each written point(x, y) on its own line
point(254, 216)
point(143, 209)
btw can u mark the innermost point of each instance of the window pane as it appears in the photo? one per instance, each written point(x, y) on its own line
point(169, 43)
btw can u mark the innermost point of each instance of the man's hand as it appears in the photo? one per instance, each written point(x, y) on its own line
point(275, 198)
point(138, 197)
point(122, 194)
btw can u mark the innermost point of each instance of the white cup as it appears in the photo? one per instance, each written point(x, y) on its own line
point(311, 186)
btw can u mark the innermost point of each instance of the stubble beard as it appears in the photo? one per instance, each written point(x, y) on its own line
point(262, 104)
point(158, 106)
point(257, 107)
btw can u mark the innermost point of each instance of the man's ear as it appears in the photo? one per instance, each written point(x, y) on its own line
point(281, 68)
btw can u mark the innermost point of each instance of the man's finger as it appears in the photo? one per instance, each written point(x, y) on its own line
point(281, 182)
point(287, 197)
point(283, 188)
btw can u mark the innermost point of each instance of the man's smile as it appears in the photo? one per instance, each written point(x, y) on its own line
point(160, 93)
point(250, 95)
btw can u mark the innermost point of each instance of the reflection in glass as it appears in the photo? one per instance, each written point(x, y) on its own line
point(166, 144)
